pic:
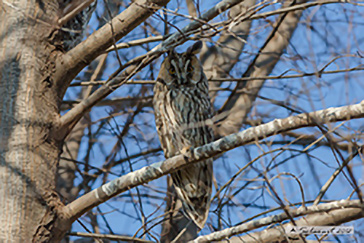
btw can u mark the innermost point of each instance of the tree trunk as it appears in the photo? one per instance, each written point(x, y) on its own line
point(29, 105)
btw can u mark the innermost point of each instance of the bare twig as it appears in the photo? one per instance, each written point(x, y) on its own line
point(264, 62)
point(141, 176)
point(70, 118)
point(109, 237)
point(83, 54)
point(254, 224)
point(334, 175)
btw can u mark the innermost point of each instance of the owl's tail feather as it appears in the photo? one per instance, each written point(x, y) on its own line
point(193, 186)
point(198, 214)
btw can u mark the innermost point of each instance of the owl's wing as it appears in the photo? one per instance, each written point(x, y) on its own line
point(162, 123)
point(180, 120)
point(194, 185)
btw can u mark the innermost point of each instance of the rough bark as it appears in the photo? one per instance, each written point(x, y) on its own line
point(33, 79)
point(29, 114)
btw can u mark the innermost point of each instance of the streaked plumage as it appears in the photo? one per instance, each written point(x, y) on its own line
point(182, 106)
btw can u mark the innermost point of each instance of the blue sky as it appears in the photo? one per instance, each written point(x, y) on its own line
point(324, 33)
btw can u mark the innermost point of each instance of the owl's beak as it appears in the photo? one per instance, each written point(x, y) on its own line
point(183, 79)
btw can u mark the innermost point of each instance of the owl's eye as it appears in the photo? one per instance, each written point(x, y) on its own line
point(190, 68)
point(172, 71)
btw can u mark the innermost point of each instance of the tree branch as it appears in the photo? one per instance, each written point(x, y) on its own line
point(240, 105)
point(110, 237)
point(68, 120)
point(336, 213)
point(156, 170)
point(70, 64)
point(73, 9)
point(219, 59)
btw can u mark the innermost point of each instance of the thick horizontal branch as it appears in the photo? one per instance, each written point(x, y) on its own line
point(333, 217)
point(343, 205)
point(154, 171)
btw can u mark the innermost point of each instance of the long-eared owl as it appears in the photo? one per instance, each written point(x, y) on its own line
point(182, 108)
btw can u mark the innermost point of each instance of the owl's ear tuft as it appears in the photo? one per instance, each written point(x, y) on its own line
point(171, 52)
point(195, 48)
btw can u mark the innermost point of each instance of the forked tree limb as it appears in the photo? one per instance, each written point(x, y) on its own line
point(239, 106)
point(72, 62)
point(68, 120)
point(81, 205)
point(219, 59)
point(71, 65)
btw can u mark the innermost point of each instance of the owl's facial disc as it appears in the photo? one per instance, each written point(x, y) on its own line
point(181, 69)
point(184, 69)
